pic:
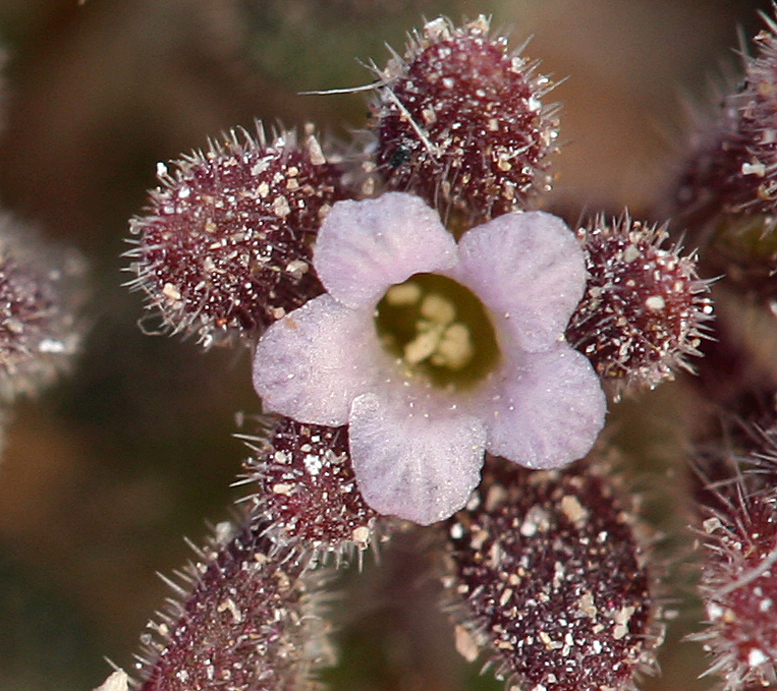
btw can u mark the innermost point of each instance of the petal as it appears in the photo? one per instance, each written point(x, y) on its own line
point(415, 466)
point(548, 410)
point(529, 270)
point(311, 364)
point(365, 247)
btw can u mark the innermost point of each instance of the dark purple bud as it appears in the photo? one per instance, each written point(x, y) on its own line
point(739, 589)
point(307, 491)
point(244, 619)
point(550, 576)
point(41, 296)
point(225, 245)
point(644, 309)
point(459, 122)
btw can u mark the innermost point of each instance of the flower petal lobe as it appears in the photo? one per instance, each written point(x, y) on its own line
point(529, 269)
point(415, 466)
point(548, 410)
point(365, 247)
point(301, 369)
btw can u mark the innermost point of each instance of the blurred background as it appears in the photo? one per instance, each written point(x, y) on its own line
point(101, 476)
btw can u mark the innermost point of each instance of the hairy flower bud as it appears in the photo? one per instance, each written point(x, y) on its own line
point(733, 169)
point(41, 294)
point(307, 491)
point(245, 622)
point(738, 529)
point(224, 246)
point(459, 122)
point(739, 591)
point(550, 576)
point(725, 193)
point(644, 308)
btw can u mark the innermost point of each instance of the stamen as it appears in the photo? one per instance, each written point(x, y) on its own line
point(438, 309)
point(404, 294)
point(455, 349)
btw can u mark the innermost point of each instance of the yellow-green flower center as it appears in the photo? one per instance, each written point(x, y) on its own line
point(438, 328)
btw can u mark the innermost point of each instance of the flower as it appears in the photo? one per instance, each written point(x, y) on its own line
point(493, 374)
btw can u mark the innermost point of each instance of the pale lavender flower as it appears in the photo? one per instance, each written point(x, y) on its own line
point(479, 364)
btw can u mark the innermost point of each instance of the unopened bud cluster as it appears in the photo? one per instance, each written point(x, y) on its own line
point(725, 197)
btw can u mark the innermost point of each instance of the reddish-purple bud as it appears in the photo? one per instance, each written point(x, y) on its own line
point(41, 294)
point(307, 490)
point(739, 591)
point(644, 308)
point(738, 528)
point(459, 122)
point(225, 245)
point(732, 169)
point(245, 622)
point(551, 577)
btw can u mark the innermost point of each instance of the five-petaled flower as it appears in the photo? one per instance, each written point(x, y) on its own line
point(434, 352)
